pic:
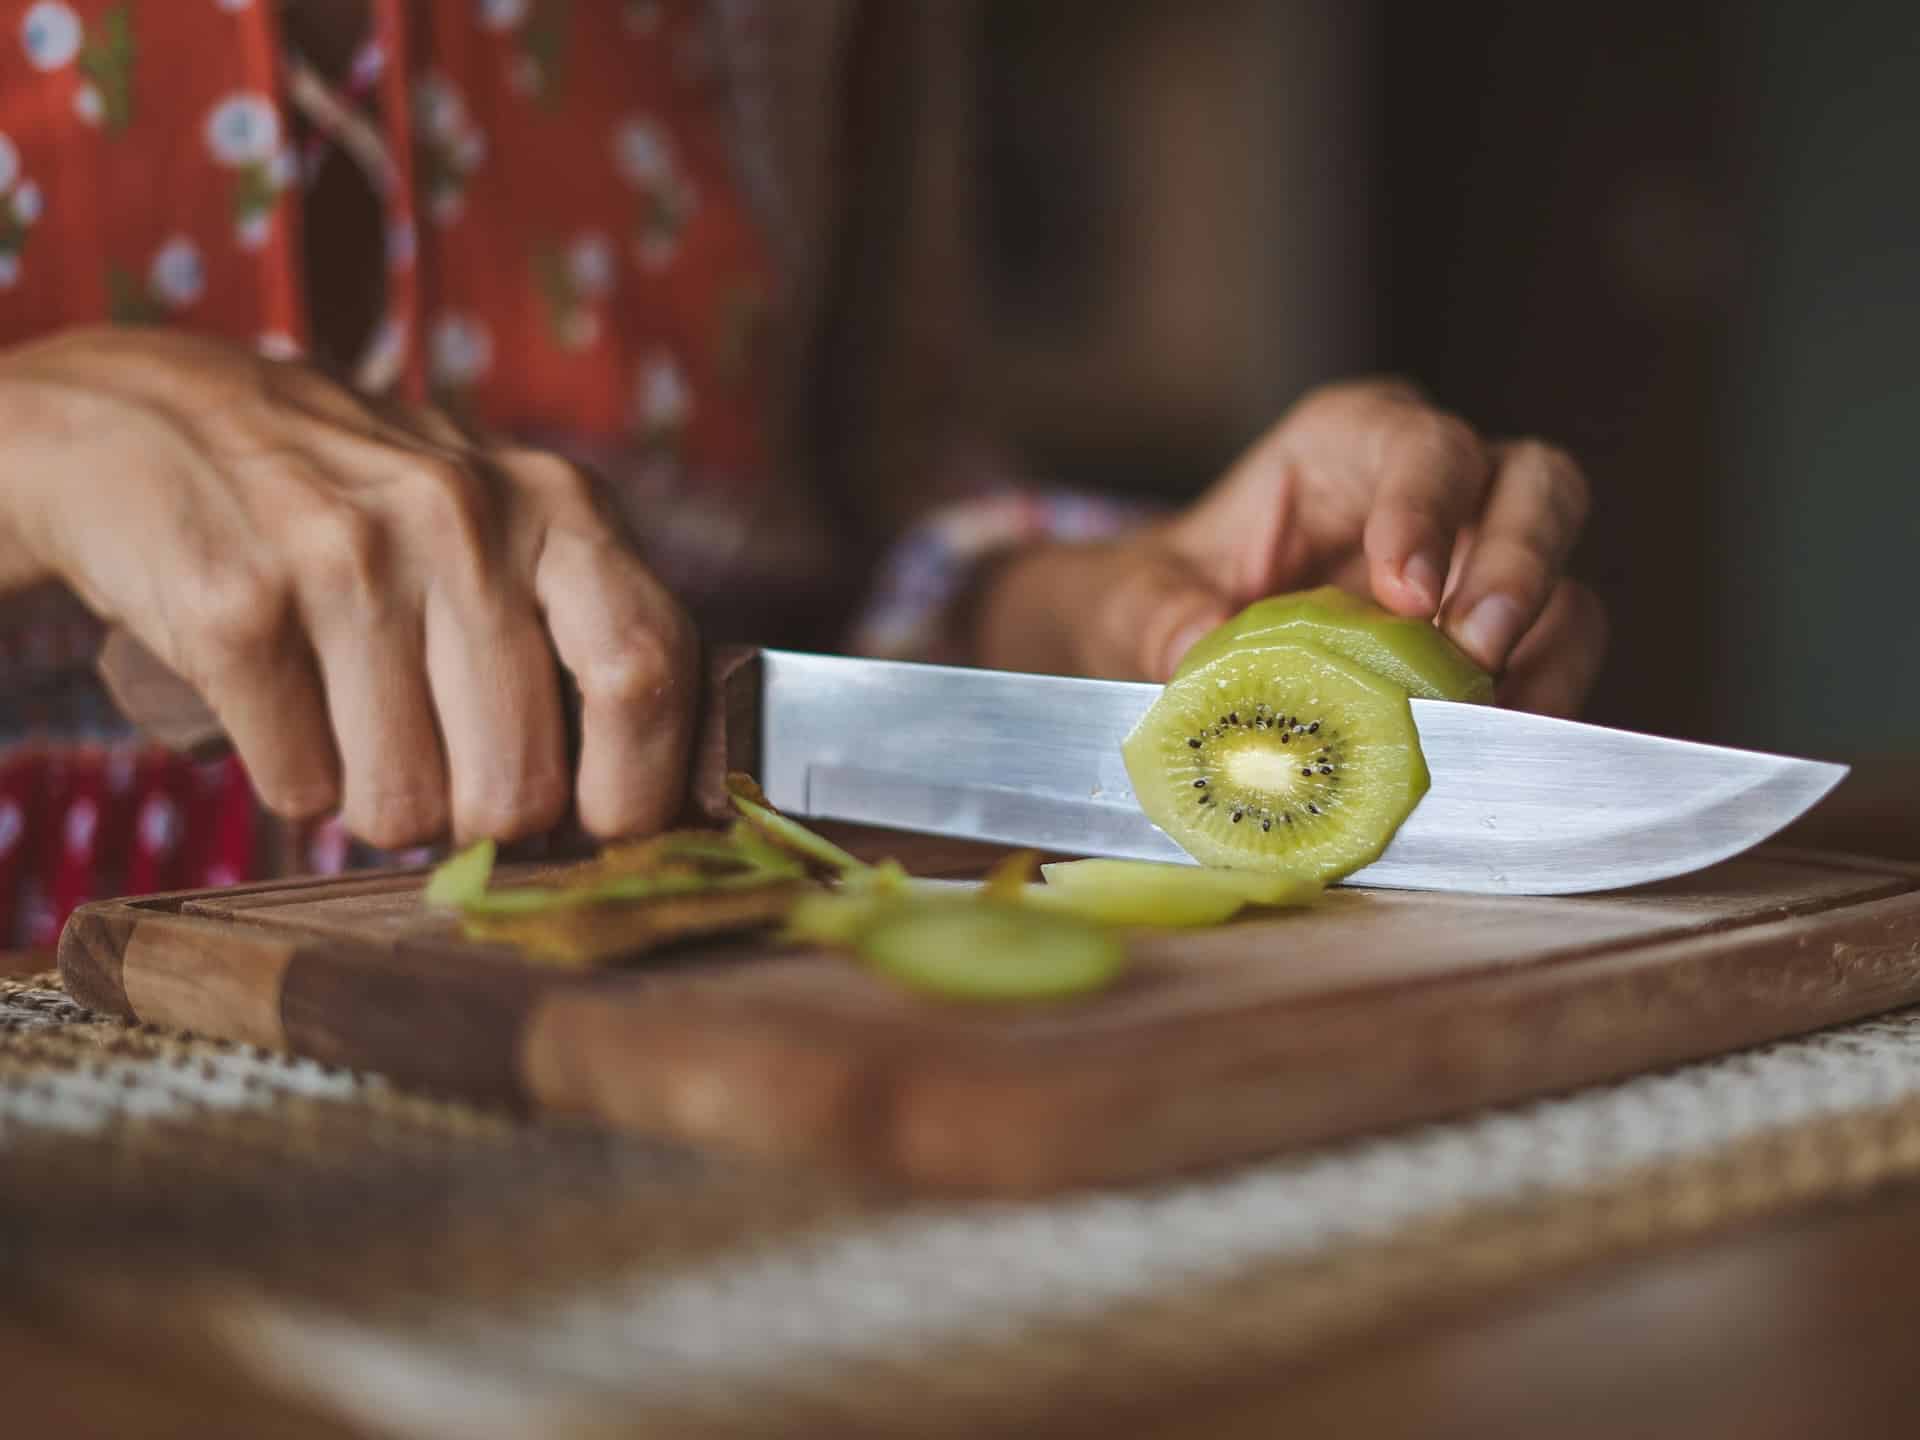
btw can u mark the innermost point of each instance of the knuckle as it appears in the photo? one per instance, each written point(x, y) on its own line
point(1567, 490)
point(1445, 440)
point(232, 612)
point(341, 550)
point(390, 819)
point(533, 803)
point(453, 497)
point(642, 669)
point(558, 481)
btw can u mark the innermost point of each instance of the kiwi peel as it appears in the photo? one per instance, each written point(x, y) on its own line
point(1282, 757)
point(1413, 654)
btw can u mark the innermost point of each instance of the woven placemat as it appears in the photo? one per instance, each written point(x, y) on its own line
point(416, 1267)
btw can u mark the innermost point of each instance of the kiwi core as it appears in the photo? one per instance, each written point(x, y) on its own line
point(1264, 768)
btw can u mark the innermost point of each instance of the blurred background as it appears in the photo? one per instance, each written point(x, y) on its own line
point(1681, 240)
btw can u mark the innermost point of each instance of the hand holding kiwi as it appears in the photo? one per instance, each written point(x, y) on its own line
point(1285, 742)
point(1364, 486)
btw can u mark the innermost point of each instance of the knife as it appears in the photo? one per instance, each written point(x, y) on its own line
point(1520, 804)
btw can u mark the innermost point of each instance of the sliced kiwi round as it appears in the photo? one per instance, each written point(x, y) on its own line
point(977, 949)
point(1282, 757)
point(1150, 892)
point(1411, 653)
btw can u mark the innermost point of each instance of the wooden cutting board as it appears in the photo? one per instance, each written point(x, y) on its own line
point(1376, 1008)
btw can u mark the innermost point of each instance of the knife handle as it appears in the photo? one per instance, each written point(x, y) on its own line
point(165, 708)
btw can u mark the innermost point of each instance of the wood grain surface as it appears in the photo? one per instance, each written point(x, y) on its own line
point(1376, 1008)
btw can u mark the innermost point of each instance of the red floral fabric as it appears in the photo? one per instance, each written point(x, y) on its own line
point(567, 255)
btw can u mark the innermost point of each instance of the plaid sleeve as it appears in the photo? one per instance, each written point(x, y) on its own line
point(930, 568)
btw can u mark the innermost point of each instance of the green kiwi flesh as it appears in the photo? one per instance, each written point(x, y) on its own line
point(1281, 757)
point(979, 949)
point(461, 877)
point(1411, 653)
point(1150, 892)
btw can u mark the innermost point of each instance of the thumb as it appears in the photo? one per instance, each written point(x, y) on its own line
point(1158, 611)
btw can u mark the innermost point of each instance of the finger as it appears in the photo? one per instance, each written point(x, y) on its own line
point(367, 634)
point(489, 670)
point(1433, 471)
point(1533, 515)
point(631, 650)
point(1154, 614)
point(1555, 664)
point(238, 643)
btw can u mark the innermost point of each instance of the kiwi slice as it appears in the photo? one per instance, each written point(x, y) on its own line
point(776, 829)
point(1411, 653)
point(1149, 892)
point(461, 877)
point(1281, 757)
point(979, 949)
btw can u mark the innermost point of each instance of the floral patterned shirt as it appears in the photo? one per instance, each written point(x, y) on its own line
point(571, 254)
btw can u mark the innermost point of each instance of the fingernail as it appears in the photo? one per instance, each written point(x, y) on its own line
point(1422, 572)
point(1490, 629)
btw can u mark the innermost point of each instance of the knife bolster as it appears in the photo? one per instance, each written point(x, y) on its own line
point(729, 735)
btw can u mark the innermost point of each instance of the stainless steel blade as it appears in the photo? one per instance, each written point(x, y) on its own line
point(1520, 804)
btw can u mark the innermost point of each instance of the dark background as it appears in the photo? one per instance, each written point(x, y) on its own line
point(1683, 241)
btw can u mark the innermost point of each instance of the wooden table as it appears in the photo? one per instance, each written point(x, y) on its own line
point(1797, 1323)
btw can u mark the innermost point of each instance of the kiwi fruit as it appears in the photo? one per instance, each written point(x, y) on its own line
point(461, 877)
point(1413, 654)
point(1151, 892)
point(981, 949)
point(1283, 757)
point(818, 852)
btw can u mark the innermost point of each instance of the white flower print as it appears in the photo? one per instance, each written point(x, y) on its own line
point(9, 270)
point(664, 400)
point(277, 345)
point(89, 104)
point(438, 107)
point(590, 263)
point(459, 350)
point(282, 169)
point(641, 152)
point(178, 276)
point(51, 34)
point(501, 14)
point(243, 129)
point(452, 147)
point(252, 231)
point(83, 820)
point(27, 203)
point(232, 7)
point(159, 824)
point(9, 163)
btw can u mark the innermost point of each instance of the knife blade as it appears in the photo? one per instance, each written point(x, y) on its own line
point(1520, 804)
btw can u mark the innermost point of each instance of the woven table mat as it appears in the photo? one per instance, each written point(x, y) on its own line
point(407, 1266)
